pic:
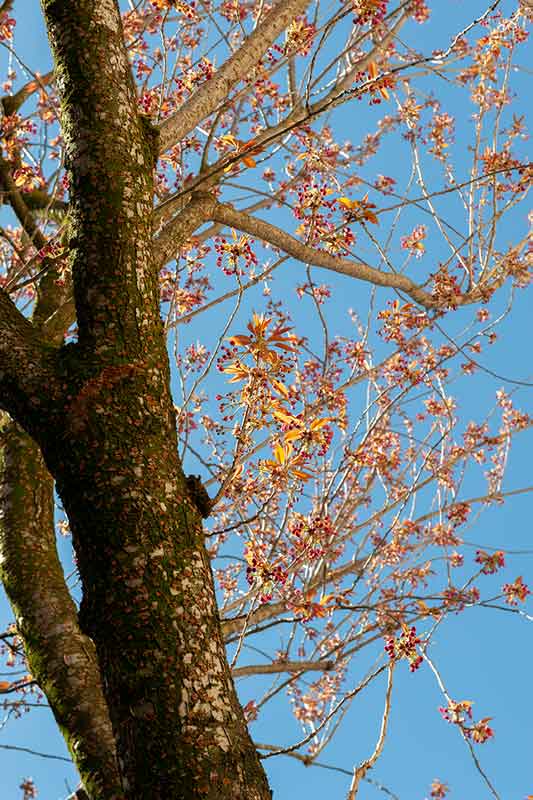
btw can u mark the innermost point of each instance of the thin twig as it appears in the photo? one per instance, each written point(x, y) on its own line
point(363, 768)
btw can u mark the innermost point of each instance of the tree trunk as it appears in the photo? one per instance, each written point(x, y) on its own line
point(148, 597)
point(101, 411)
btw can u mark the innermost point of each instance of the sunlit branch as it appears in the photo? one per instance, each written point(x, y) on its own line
point(309, 761)
point(264, 612)
point(180, 228)
point(239, 65)
point(283, 666)
point(336, 96)
point(12, 102)
point(270, 610)
point(228, 295)
point(475, 759)
point(20, 206)
point(308, 255)
point(363, 768)
point(347, 697)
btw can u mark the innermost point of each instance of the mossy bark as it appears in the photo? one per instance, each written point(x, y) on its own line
point(61, 659)
point(104, 421)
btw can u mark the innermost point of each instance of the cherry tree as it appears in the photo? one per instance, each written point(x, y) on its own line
point(254, 259)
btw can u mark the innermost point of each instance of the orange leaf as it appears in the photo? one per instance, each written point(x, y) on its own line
point(252, 147)
point(242, 340)
point(280, 387)
point(373, 69)
point(280, 454)
point(424, 609)
point(319, 423)
point(228, 138)
point(293, 435)
point(347, 203)
point(304, 476)
point(285, 417)
point(238, 370)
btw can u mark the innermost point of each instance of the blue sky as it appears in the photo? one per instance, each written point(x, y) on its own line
point(484, 655)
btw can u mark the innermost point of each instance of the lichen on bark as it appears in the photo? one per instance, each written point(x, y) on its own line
point(107, 433)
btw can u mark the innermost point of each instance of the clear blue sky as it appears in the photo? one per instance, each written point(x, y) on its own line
point(484, 655)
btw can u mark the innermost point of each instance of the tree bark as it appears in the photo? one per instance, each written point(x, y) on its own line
point(101, 411)
point(148, 600)
point(61, 659)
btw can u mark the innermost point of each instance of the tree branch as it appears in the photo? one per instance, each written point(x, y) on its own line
point(60, 657)
point(236, 68)
point(19, 206)
point(282, 666)
point(310, 761)
point(270, 610)
point(182, 226)
point(277, 237)
point(362, 769)
point(266, 611)
point(26, 365)
point(301, 112)
point(12, 102)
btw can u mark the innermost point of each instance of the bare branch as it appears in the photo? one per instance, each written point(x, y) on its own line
point(309, 761)
point(181, 227)
point(347, 697)
point(269, 610)
point(20, 206)
point(283, 666)
point(34, 752)
point(239, 65)
point(266, 611)
point(363, 768)
point(277, 237)
point(12, 102)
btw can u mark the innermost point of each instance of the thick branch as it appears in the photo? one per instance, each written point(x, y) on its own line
point(266, 611)
point(277, 237)
point(26, 365)
point(307, 112)
point(39, 200)
point(301, 112)
point(283, 666)
point(60, 657)
point(181, 227)
point(19, 206)
point(12, 102)
point(270, 610)
point(236, 68)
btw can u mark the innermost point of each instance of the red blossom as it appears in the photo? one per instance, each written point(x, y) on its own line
point(405, 647)
point(439, 790)
point(414, 242)
point(490, 563)
point(516, 592)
